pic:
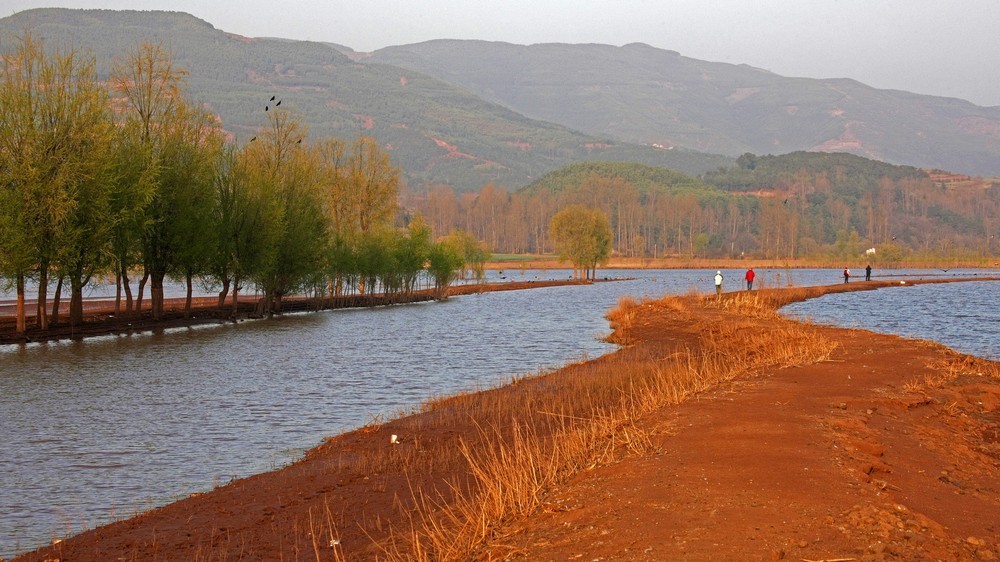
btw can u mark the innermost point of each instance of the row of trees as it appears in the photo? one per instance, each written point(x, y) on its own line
point(110, 178)
point(808, 213)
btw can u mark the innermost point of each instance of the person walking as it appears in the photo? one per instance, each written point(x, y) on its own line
point(847, 274)
point(750, 275)
point(868, 272)
point(718, 283)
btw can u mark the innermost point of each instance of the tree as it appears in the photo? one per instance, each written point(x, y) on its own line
point(55, 156)
point(190, 153)
point(154, 104)
point(372, 185)
point(445, 260)
point(291, 174)
point(246, 220)
point(583, 236)
point(413, 252)
point(132, 190)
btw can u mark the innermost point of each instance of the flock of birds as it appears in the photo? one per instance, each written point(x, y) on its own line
point(267, 107)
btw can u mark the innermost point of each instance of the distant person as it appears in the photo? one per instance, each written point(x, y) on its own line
point(868, 272)
point(718, 283)
point(749, 277)
point(847, 274)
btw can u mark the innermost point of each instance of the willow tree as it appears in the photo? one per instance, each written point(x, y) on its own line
point(291, 173)
point(132, 190)
point(583, 236)
point(413, 252)
point(56, 134)
point(245, 222)
point(191, 151)
point(372, 185)
point(152, 93)
point(361, 198)
point(444, 262)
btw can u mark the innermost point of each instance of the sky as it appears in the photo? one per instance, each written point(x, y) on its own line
point(941, 47)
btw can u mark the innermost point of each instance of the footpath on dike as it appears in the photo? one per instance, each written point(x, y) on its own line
point(747, 436)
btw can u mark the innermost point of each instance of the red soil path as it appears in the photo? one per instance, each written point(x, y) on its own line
point(841, 460)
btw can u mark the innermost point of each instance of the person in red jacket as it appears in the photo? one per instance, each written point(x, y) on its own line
point(749, 277)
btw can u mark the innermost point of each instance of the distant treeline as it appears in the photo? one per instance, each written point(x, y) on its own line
point(798, 205)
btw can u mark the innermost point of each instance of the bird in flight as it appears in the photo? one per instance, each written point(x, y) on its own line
point(272, 98)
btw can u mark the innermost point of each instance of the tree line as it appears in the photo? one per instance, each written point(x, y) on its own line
point(801, 205)
point(130, 177)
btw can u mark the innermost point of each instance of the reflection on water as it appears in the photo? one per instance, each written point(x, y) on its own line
point(99, 429)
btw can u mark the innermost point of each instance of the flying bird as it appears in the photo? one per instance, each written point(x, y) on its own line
point(253, 139)
point(272, 98)
point(266, 108)
point(277, 104)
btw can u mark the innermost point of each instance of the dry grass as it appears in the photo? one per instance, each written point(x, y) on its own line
point(510, 446)
point(951, 367)
point(531, 441)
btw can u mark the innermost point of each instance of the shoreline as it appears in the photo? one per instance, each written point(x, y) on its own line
point(100, 320)
point(552, 262)
point(355, 484)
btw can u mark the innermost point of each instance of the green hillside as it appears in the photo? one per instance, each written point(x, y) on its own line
point(645, 179)
point(641, 94)
point(436, 132)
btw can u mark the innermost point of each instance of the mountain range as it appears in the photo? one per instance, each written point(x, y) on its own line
point(468, 113)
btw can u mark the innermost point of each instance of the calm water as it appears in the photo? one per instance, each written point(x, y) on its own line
point(963, 316)
point(94, 430)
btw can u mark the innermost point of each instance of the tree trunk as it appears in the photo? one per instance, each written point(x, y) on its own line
point(21, 325)
point(127, 287)
point(156, 294)
point(187, 301)
point(118, 293)
point(56, 302)
point(224, 292)
point(76, 304)
point(236, 301)
point(142, 287)
point(41, 315)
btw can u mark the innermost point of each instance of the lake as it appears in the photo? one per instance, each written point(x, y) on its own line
point(96, 430)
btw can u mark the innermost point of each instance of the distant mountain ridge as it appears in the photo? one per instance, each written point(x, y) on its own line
point(436, 132)
point(641, 94)
point(466, 113)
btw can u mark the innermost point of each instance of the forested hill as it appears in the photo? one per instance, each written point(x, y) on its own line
point(795, 205)
point(641, 94)
point(646, 180)
point(842, 170)
point(436, 132)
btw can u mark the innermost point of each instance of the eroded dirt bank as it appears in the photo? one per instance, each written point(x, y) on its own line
point(887, 449)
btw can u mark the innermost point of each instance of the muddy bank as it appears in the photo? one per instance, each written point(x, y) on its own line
point(885, 450)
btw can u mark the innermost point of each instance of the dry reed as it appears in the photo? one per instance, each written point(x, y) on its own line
point(531, 441)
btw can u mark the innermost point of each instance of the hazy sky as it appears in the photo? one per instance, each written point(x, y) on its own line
point(939, 47)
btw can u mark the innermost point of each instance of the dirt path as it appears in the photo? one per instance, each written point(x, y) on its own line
point(834, 461)
point(889, 450)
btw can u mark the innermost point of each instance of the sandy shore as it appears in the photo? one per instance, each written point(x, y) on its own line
point(883, 449)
